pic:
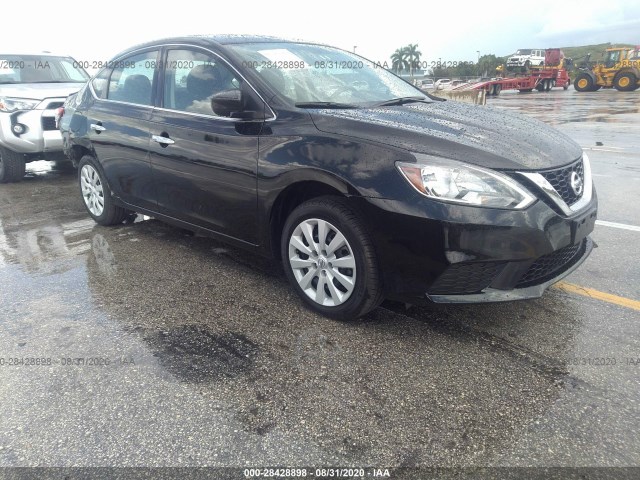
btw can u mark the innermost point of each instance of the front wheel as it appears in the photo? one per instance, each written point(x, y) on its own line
point(329, 259)
point(584, 83)
point(96, 194)
point(12, 166)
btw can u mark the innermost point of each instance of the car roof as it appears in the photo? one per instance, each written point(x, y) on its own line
point(230, 39)
point(44, 53)
point(214, 40)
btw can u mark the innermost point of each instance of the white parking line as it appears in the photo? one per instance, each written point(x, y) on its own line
point(603, 148)
point(610, 149)
point(633, 228)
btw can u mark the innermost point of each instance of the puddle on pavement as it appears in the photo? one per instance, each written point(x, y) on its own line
point(560, 107)
point(193, 353)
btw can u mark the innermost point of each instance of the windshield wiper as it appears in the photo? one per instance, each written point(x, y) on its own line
point(325, 105)
point(401, 101)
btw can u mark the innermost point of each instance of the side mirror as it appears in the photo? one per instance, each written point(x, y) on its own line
point(234, 104)
point(227, 102)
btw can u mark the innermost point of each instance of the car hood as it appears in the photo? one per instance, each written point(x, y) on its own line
point(39, 91)
point(482, 136)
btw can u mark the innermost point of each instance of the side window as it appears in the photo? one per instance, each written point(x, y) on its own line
point(101, 82)
point(191, 78)
point(132, 78)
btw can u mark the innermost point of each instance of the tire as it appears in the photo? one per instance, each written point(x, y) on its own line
point(12, 166)
point(497, 88)
point(625, 82)
point(540, 86)
point(348, 292)
point(96, 194)
point(583, 83)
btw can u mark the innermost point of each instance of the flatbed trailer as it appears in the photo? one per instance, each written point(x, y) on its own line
point(541, 79)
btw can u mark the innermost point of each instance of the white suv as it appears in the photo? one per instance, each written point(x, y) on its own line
point(32, 88)
point(526, 58)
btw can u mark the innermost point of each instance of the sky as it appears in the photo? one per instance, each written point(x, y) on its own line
point(95, 31)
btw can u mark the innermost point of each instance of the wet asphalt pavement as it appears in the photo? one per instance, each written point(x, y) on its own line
point(196, 353)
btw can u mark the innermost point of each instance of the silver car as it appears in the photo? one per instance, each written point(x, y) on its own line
point(32, 88)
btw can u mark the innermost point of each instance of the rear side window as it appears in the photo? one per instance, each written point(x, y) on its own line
point(192, 78)
point(131, 80)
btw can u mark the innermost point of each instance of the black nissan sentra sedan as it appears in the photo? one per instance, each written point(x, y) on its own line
point(364, 186)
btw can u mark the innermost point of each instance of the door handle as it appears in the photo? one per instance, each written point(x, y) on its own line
point(97, 127)
point(163, 141)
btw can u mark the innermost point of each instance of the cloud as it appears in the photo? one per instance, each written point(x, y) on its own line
point(449, 32)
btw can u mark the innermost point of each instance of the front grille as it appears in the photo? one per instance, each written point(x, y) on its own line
point(560, 179)
point(548, 266)
point(461, 278)
point(48, 123)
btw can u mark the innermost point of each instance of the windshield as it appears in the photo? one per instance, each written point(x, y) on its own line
point(40, 69)
point(305, 73)
point(524, 52)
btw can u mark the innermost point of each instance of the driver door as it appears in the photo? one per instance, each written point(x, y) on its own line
point(204, 166)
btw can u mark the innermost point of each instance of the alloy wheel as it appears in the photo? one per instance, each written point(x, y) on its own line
point(92, 191)
point(323, 262)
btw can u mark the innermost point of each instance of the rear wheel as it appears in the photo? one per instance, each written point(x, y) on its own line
point(329, 259)
point(625, 82)
point(497, 89)
point(96, 194)
point(12, 166)
point(584, 83)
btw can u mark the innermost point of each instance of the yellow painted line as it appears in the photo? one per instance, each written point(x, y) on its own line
point(598, 295)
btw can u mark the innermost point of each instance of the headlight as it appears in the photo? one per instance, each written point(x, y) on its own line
point(451, 181)
point(13, 104)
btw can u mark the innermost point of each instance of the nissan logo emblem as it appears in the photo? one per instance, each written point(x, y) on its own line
point(576, 183)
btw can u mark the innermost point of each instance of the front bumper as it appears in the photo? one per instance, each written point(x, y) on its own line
point(516, 62)
point(536, 290)
point(41, 134)
point(430, 251)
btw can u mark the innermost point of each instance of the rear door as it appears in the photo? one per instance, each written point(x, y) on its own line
point(204, 165)
point(119, 126)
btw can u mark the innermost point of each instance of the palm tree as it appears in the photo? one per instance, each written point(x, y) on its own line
point(413, 56)
point(399, 60)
